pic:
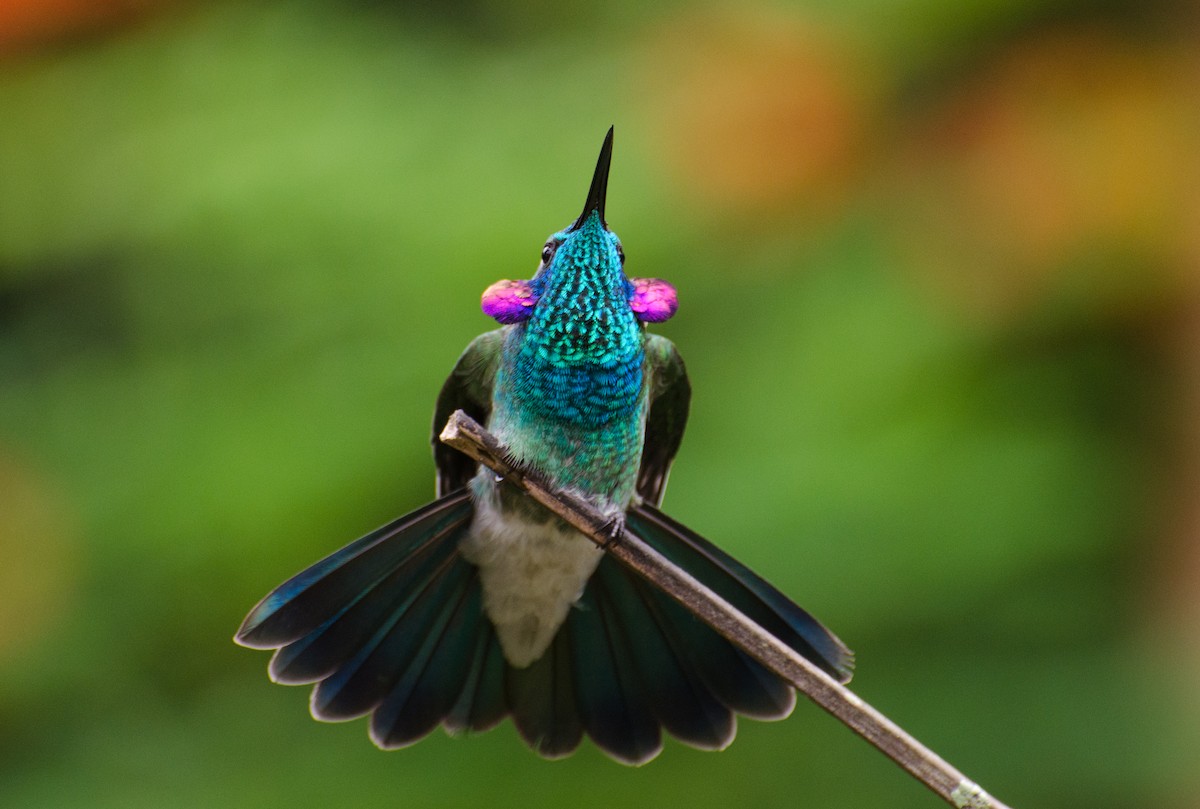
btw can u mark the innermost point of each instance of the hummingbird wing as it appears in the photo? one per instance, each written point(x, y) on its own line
point(670, 395)
point(468, 388)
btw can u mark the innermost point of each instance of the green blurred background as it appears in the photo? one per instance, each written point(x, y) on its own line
point(938, 270)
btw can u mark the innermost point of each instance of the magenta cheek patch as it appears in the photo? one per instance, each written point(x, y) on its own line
point(654, 300)
point(508, 301)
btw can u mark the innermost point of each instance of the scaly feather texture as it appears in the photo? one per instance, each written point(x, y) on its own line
point(481, 605)
point(577, 364)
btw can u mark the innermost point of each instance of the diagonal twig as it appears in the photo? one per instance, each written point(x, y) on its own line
point(466, 435)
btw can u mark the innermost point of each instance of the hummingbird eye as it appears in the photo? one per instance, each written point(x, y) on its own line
point(548, 252)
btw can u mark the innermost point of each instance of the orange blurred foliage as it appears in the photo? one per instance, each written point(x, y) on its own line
point(25, 24)
point(1070, 146)
point(755, 113)
point(38, 573)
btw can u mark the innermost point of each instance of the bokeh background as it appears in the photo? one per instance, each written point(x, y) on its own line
point(939, 272)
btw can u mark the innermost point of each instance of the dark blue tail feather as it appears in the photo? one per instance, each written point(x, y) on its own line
point(612, 702)
point(543, 702)
point(739, 683)
point(396, 648)
point(302, 603)
point(393, 625)
point(434, 678)
point(360, 625)
point(678, 697)
point(745, 589)
point(481, 705)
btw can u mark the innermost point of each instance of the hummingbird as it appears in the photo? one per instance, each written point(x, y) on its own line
point(482, 605)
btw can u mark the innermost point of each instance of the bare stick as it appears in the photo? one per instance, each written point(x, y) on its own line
point(466, 435)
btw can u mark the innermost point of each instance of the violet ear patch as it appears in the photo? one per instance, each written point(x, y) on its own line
point(508, 301)
point(654, 300)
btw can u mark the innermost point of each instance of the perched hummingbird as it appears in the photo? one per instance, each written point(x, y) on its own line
point(482, 605)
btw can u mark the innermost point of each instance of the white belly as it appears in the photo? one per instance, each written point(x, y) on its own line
point(531, 574)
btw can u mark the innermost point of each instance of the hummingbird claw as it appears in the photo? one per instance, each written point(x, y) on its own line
point(613, 529)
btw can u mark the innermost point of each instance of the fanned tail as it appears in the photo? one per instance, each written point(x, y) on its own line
point(644, 663)
point(393, 626)
point(390, 625)
point(745, 589)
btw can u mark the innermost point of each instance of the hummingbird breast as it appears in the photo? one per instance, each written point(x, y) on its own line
point(570, 399)
point(569, 394)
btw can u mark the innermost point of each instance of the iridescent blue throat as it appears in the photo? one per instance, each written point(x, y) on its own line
point(569, 392)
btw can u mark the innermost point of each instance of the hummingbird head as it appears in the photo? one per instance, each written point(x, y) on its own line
point(583, 263)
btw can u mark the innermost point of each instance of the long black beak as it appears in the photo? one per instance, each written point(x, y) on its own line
point(596, 194)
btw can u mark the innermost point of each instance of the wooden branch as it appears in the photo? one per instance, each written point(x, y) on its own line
point(465, 434)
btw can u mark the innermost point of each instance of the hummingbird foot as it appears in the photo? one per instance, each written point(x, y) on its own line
point(613, 529)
